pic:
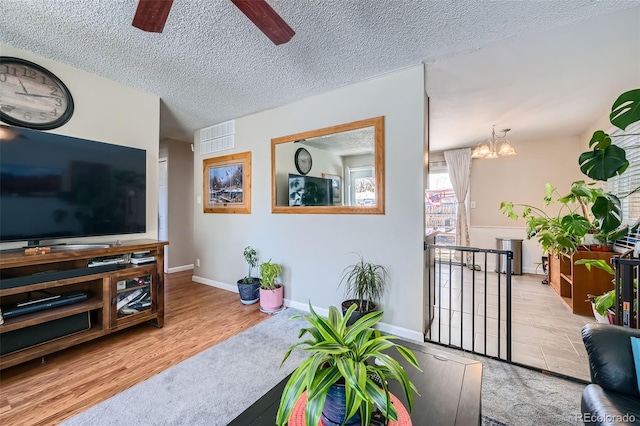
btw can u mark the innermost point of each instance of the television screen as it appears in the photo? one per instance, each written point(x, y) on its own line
point(54, 186)
point(309, 191)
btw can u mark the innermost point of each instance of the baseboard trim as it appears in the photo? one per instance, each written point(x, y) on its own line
point(405, 333)
point(213, 283)
point(179, 268)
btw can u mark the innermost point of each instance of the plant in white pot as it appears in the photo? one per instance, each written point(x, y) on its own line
point(271, 292)
point(348, 372)
point(249, 286)
point(364, 283)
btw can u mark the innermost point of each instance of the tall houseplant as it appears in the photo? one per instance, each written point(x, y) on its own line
point(271, 292)
point(350, 358)
point(590, 208)
point(364, 283)
point(249, 286)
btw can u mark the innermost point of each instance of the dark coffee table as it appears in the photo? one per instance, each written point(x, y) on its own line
point(450, 389)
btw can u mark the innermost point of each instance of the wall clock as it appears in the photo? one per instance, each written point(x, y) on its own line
point(32, 96)
point(303, 161)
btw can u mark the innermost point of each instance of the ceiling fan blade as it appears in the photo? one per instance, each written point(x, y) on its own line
point(266, 19)
point(151, 15)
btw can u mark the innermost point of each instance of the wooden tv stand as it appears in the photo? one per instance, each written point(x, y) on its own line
point(117, 295)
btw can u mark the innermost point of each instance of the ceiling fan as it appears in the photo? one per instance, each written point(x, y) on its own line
point(151, 15)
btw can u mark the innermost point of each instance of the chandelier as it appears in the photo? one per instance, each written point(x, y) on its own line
point(494, 147)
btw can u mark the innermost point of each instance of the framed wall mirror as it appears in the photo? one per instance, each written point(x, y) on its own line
point(335, 170)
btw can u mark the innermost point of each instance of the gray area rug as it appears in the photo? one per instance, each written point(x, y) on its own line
point(216, 385)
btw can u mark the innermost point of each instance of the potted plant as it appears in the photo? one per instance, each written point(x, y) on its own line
point(271, 293)
point(364, 283)
point(591, 210)
point(249, 286)
point(348, 368)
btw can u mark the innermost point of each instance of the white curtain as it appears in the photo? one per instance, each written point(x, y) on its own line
point(459, 164)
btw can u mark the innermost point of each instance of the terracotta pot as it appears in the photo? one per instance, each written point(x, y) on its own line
point(601, 247)
point(271, 300)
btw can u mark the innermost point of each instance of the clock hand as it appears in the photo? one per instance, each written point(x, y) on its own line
point(34, 95)
point(23, 88)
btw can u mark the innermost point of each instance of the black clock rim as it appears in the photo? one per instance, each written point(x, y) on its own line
point(298, 152)
point(66, 115)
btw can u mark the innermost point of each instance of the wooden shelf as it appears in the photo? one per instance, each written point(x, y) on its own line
point(566, 278)
point(574, 283)
point(40, 317)
point(101, 287)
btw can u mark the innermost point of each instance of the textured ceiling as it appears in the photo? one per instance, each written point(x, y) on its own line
point(212, 64)
point(351, 142)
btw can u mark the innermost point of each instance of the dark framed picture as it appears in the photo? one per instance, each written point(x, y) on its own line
point(227, 184)
point(336, 186)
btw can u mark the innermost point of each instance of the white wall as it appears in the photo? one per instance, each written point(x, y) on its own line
point(107, 111)
point(520, 179)
point(314, 249)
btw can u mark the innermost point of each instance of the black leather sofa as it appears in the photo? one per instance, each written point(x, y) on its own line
point(612, 398)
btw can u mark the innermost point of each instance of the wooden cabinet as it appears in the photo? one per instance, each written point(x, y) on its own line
point(103, 298)
point(574, 282)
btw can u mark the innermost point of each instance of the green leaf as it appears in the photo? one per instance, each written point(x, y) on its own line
point(313, 410)
point(608, 211)
point(292, 391)
point(575, 224)
point(599, 140)
point(597, 263)
point(322, 381)
point(400, 375)
point(382, 399)
point(365, 322)
point(602, 164)
point(626, 109)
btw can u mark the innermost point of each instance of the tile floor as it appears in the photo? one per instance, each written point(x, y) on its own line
point(545, 334)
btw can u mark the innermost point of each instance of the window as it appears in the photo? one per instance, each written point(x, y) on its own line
point(362, 186)
point(622, 185)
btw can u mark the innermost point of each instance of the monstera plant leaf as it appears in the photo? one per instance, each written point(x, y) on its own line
point(608, 211)
point(626, 109)
point(602, 164)
point(574, 224)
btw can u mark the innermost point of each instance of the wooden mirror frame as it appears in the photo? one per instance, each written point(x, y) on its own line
point(378, 208)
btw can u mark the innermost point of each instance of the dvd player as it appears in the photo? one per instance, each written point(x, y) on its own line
point(138, 260)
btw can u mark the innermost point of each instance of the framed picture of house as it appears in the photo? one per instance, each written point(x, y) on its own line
point(336, 186)
point(226, 184)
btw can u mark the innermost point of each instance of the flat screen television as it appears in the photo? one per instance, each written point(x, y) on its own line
point(309, 191)
point(54, 186)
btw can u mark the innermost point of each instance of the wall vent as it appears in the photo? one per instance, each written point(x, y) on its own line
point(217, 138)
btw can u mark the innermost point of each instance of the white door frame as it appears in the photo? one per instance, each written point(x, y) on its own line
point(163, 206)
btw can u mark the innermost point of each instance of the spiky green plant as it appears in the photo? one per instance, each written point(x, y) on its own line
point(346, 355)
point(364, 282)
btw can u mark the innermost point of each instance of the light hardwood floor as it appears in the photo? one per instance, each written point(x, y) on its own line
point(70, 381)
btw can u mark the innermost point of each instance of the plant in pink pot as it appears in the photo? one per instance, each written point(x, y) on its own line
point(271, 293)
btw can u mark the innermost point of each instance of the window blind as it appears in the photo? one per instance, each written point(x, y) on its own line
point(622, 185)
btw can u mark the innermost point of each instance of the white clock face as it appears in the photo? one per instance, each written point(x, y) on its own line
point(303, 161)
point(31, 96)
